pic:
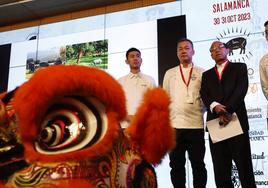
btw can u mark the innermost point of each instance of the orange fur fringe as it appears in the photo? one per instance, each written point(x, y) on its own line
point(151, 129)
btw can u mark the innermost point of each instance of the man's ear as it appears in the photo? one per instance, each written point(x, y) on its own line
point(126, 61)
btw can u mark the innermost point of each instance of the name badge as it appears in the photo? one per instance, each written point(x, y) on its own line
point(189, 98)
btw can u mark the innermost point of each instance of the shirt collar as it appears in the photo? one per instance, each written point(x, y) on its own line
point(132, 75)
point(188, 67)
point(222, 65)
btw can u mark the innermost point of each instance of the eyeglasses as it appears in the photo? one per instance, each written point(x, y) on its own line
point(215, 48)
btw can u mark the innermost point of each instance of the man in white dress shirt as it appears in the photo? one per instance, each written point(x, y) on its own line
point(135, 83)
point(183, 84)
point(264, 67)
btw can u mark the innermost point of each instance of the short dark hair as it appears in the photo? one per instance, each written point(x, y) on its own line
point(185, 39)
point(132, 50)
point(265, 23)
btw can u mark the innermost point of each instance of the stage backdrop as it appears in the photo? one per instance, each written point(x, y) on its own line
point(238, 23)
point(154, 30)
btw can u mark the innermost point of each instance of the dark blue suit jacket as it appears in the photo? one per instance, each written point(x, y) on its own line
point(229, 91)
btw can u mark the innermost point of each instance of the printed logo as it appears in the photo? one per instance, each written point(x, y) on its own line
point(237, 44)
point(194, 77)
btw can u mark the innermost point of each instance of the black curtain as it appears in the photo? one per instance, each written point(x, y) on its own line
point(169, 31)
point(4, 66)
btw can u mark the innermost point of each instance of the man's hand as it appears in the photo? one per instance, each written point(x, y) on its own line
point(220, 109)
point(224, 119)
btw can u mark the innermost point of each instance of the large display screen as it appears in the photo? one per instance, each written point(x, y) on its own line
point(102, 41)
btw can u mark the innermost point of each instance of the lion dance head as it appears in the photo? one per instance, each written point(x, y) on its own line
point(62, 129)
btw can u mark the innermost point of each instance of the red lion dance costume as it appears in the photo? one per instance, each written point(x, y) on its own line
point(61, 129)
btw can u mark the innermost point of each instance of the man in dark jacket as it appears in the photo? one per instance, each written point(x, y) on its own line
point(223, 90)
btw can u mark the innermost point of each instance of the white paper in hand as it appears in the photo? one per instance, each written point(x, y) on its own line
point(219, 133)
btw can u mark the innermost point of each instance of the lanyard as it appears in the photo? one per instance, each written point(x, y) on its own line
point(190, 75)
point(217, 72)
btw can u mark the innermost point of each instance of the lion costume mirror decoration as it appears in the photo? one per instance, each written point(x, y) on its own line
point(61, 129)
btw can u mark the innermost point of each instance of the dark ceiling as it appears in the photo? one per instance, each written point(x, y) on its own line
point(17, 11)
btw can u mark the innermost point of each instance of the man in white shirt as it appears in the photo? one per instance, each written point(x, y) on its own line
point(264, 67)
point(183, 84)
point(135, 83)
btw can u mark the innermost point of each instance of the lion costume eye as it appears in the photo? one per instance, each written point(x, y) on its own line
point(71, 124)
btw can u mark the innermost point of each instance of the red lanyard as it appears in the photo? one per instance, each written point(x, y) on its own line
point(217, 72)
point(190, 75)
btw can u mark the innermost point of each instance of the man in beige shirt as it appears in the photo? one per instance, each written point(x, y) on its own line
point(264, 67)
point(135, 83)
point(183, 84)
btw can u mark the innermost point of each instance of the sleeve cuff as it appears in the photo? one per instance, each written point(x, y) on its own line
point(212, 106)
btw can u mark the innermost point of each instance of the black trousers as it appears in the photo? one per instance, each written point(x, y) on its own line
point(192, 141)
point(235, 149)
